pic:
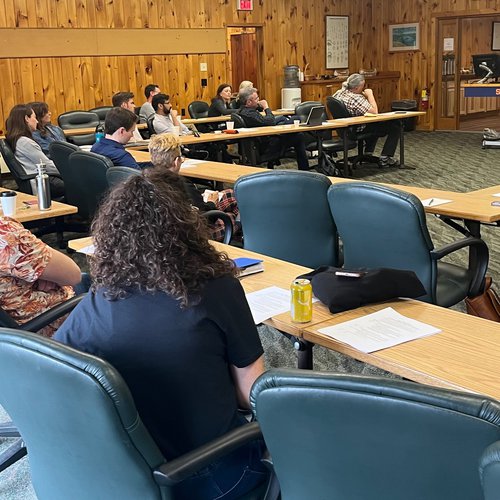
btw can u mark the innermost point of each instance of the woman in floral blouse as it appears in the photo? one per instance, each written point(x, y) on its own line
point(33, 276)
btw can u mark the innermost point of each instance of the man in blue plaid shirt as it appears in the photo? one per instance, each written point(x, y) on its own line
point(360, 100)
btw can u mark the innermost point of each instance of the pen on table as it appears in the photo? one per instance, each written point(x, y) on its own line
point(431, 201)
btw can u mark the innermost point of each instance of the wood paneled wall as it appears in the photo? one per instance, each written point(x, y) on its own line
point(293, 34)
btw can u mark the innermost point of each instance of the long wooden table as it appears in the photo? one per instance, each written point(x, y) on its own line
point(225, 118)
point(463, 356)
point(28, 213)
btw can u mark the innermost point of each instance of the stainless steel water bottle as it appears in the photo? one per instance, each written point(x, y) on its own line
point(43, 188)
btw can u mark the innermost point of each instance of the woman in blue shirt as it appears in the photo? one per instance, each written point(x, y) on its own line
point(45, 132)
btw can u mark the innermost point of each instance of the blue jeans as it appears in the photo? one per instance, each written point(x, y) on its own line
point(228, 478)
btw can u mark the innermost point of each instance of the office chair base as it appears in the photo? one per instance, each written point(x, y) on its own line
point(12, 454)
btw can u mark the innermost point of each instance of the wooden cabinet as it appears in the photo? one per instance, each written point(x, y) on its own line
point(385, 89)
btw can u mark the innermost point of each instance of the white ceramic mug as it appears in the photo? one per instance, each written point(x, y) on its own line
point(229, 125)
point(9, 201)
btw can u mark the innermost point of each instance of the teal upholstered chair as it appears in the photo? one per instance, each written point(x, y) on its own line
point(384, 227)
point(345, 437)
point(285, 214)
point(84, 436)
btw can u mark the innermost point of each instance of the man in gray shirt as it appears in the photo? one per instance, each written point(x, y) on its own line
point(147, 108)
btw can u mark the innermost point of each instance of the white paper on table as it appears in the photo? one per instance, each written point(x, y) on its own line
point(88, 250)
point(497, 195)
point(379, 330)
point(268, 302)
point(434, 202)
point(245, 129)
point(191, 162)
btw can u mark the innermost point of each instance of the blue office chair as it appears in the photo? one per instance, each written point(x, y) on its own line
point(350, 437)
point(285, 214)
point(384, 227)
point(84, 437)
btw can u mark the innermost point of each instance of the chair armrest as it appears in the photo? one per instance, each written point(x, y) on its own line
point(51, 315)
point(480, 260)
point(489, 470)
point(213, 215)
point(185, 466)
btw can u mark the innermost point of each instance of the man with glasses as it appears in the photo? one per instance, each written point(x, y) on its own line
point(249, 111)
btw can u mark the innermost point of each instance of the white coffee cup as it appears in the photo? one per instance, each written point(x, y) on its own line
point(176, 130)
point(229, 125)
point(296, 123)
point(9, 201)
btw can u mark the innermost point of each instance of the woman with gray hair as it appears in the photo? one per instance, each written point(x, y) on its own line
point(360, 100)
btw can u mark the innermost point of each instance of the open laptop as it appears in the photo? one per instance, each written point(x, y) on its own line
point(315, 117)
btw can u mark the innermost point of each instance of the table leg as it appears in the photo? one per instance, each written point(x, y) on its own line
point(304, 354)
point(402, 146)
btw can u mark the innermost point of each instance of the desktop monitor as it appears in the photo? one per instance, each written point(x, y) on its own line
point(485, 62)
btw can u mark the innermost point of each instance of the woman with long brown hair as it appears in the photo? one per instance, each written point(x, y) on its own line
point(45, 132)
point(167, 311)
point(20, 125)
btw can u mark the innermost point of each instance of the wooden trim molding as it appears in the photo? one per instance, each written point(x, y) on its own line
point(57, 42)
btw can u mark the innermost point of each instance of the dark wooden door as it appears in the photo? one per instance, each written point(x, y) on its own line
point(244, 58)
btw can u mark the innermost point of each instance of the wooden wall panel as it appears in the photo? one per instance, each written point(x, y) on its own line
point(293, 33)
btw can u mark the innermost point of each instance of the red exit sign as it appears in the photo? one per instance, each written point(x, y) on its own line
point(244, 4)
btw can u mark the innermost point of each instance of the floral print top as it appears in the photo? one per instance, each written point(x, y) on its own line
point(23, 258)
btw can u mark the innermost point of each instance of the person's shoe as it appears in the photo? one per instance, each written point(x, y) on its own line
point(491, 134)
point(387, 161)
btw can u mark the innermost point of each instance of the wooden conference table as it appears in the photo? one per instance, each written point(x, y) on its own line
point(474, 208)
point(255, 132)
point(463, 356)
point(225, 118)
point(28, 213)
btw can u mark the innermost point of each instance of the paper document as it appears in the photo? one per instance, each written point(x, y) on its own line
point(497, 195)
point(382, 329)
point(371, 114)
point(191, 162)
point(268, 302)
point(434, 202)
point(88, 250)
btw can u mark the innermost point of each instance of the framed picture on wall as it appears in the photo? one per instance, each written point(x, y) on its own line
point(404, 37)
point(337, 42)
point(495, 37)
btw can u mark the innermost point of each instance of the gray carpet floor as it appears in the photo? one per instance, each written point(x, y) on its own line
point(444, 160)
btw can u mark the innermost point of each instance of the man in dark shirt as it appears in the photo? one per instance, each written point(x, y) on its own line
point(249, 111)
point(119, 127)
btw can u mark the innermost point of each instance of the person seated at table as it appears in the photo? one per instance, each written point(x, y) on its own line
point(147, 109)
point(166, 310)
point(126, 100)
point(45, 132)
point(20, 124)
point(250, 102)
point(220, 103)
point(245, 84)
point(166, 154)
point(119, 127)
point(33, 276)
point(166, 118)
point(360, 100)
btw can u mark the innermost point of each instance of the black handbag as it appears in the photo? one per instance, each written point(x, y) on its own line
point(342, 289)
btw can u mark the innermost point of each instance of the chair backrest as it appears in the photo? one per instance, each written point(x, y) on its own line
point(89, 170)
point(150, 125)
point(85, 439)
point(117, 175)
point(383, 227)
point(16, 169)
point(198, 109)
point(354, 437)
point(60, 153)
point(337, 108)
point(79, 119)
point(101, 112)
point(285, 214)
point(239, 121)
point(303, 109)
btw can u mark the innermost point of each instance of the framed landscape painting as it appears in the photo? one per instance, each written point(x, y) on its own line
point(404, 37)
